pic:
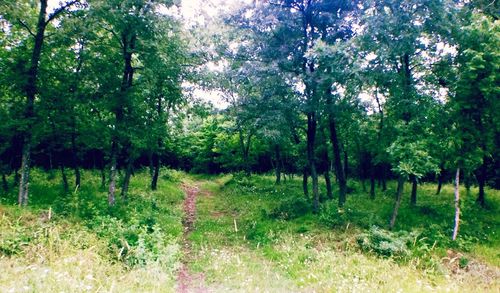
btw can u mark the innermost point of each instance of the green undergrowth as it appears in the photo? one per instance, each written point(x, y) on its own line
point(250, 235)
point(268, 233)
point(74, 242)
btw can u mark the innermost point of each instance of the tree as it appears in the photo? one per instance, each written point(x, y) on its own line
point(396, 32)
point(287, 33)
point(161, 84)
point(31, 84)
point(476, 94)
point(130, 24)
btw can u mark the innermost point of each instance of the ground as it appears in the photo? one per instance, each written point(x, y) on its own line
point(237, 247)
point(237, 234)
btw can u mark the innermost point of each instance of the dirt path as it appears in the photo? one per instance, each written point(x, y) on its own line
point(187, 281)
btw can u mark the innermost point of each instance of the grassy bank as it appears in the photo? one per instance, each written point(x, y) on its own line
point(75, 243)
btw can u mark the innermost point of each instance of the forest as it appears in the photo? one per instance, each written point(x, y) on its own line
point(249, 145)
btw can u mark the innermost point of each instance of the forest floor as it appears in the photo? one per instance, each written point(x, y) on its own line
point(230, 233)
point(241, 243)
point(186, 280)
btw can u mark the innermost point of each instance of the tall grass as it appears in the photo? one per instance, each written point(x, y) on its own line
point(73, 242)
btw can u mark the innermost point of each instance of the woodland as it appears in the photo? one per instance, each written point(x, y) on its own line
point(249, 146)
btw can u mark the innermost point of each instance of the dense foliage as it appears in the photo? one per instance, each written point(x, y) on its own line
point(376, 90)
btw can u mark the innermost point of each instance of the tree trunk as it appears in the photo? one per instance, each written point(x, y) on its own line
point(326, 160)
point(414, 184)
point(381, 167)
point(304, 183)
point(328, 182)
point(31, 91)
point(51, 155)
point(372, 181)
point(336, 152)
point(315, 185)
point(17, 178)
point(277, 168)
point(156, 173)
point(384, 178)
point(346, 163)
point(5, 184)
point(64, 178)
point(242, 147)
point(440, 185)
point(481, 180)
point(467, 181)
point(128, 46)
point(283, 170)
point(126, 179)
point(311, 139)
point(113, 173)
point(25, 174)
point(457, 205)
point(440, 180)
point(399, 195)
point(248, 169)
point(76, 161)
point(75, 158)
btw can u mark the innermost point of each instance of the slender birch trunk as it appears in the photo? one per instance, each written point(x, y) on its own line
point(457, 205)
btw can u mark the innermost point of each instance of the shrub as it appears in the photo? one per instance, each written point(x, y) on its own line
point(332, 216)
point(134, 243)
point(291, 208)
point(13, 237)
point(259, 232)
point(171, 175)
point(386, 243)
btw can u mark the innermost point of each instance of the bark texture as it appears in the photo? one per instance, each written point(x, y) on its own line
point(399, 195)
point(414, 186)
point(457, 205)
point(481, 181)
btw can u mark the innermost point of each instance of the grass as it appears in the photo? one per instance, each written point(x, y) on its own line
point(242, 241)
point(84, 245)
point(250, 235)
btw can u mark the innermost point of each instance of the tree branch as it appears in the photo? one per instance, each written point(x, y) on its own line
point(115, 35)
point(26, 27)
point(60, 10)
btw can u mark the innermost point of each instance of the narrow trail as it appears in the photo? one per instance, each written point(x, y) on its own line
point(187, 281)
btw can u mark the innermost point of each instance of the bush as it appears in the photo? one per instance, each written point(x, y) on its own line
point(135, 244)
point(332, 216)
point(13, 237)
point(291, 208)
point(386, 243)
point(171, 175)
point(259, 232)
